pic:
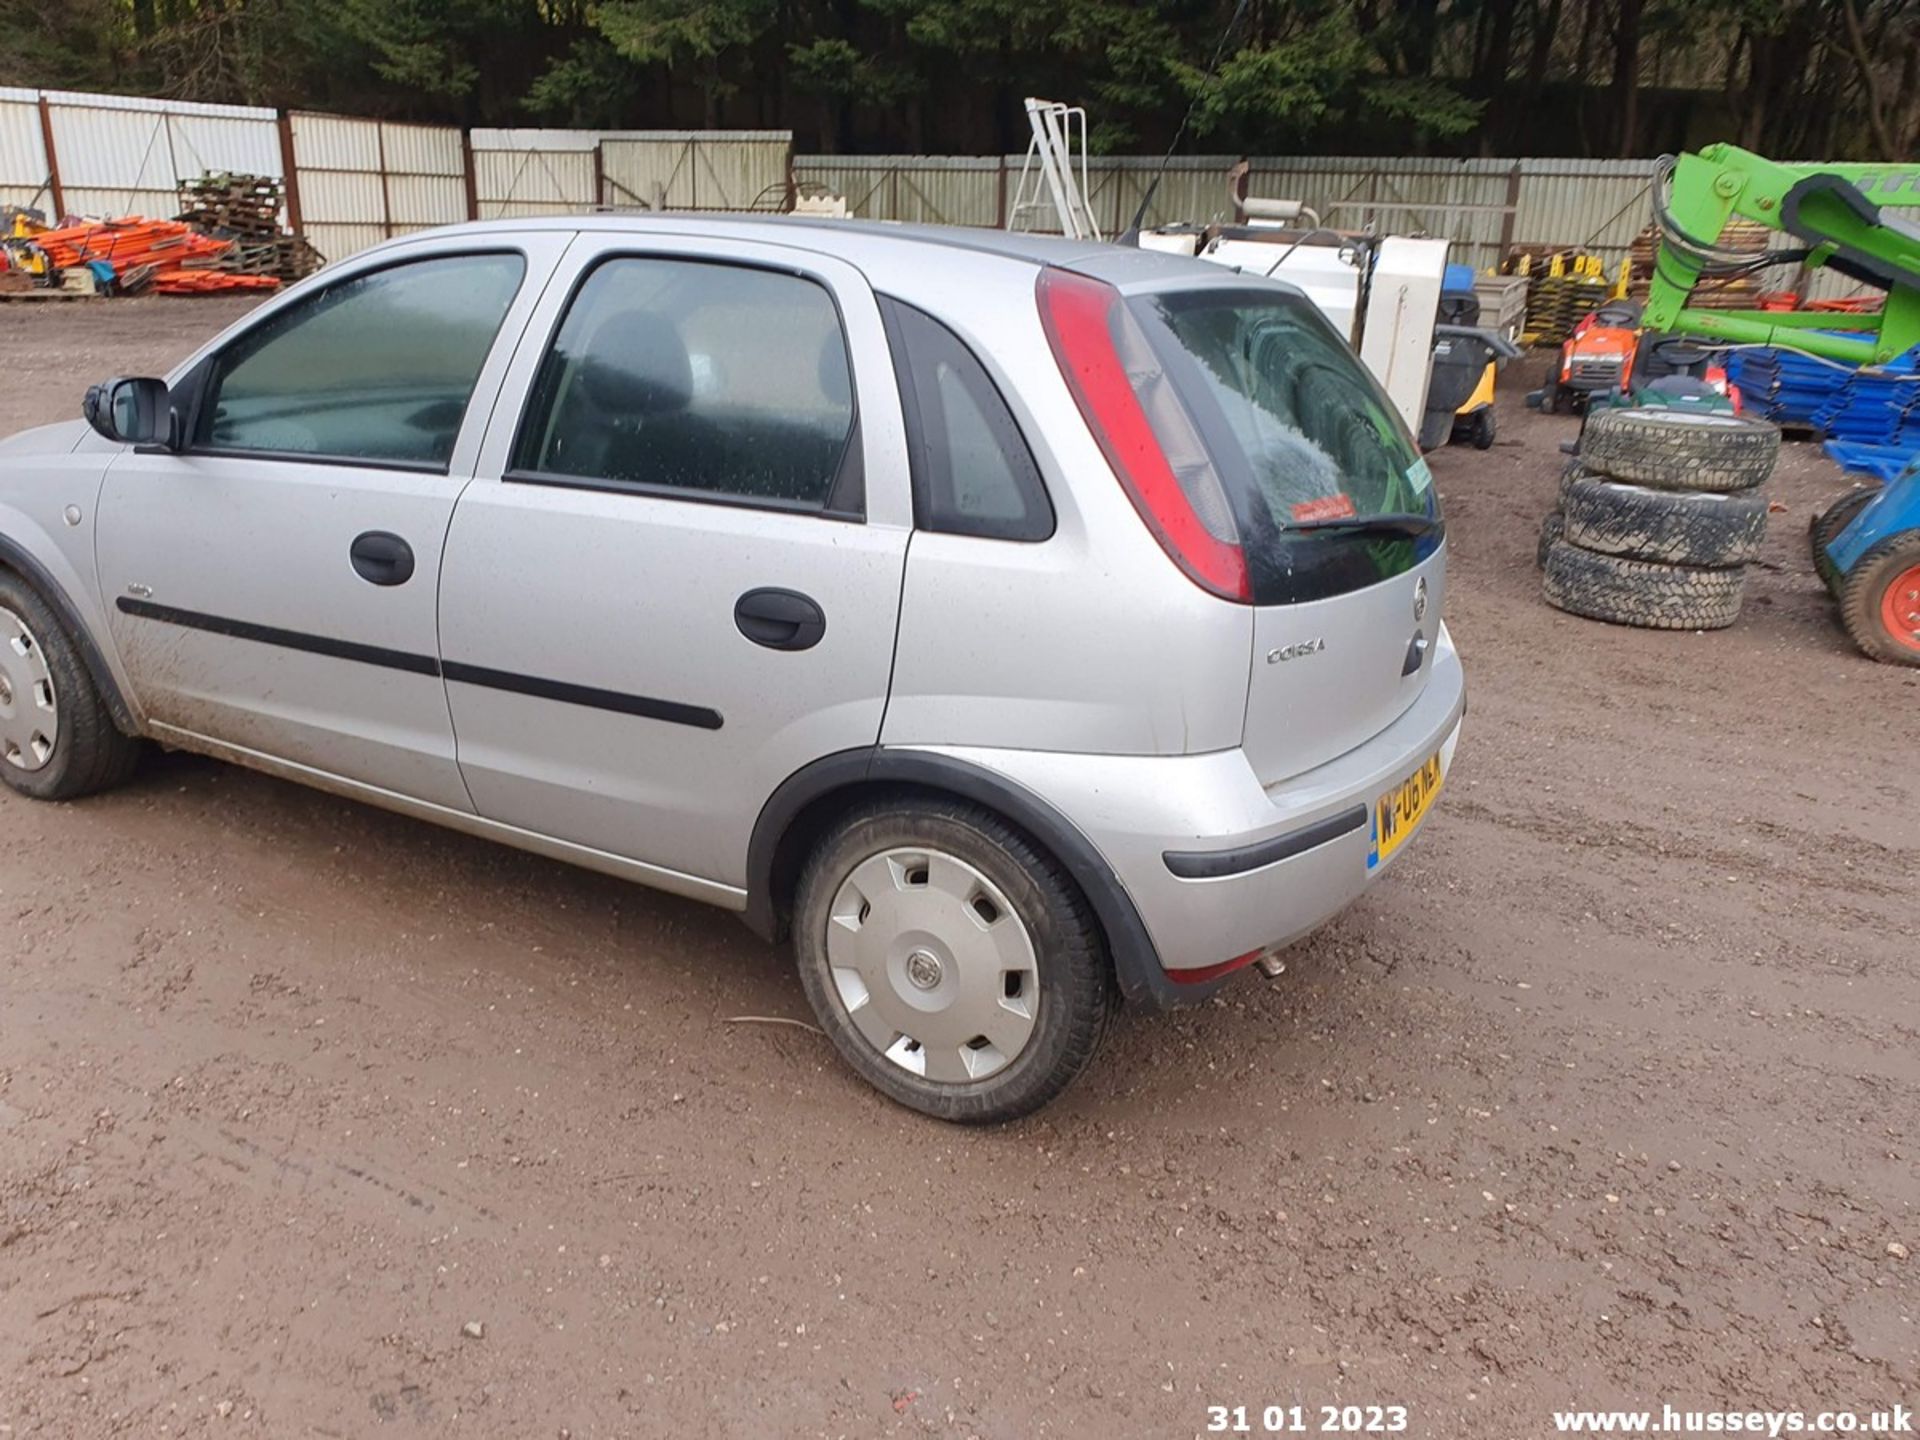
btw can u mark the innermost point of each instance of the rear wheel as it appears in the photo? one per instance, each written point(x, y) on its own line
point(57, 741)
point(1880, 601)
point(1825, 528)
point(953, 964)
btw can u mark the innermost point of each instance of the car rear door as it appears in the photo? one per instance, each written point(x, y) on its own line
point(270, 586)
point(676, 578)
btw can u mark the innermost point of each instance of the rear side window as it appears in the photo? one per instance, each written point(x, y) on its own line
point(705, 380)
point(1300, 435)
point(972, 471)
point(377, 368)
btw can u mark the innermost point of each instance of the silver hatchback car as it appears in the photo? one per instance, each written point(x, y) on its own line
point(1017, 623)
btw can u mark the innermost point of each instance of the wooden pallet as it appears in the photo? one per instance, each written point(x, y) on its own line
point(245, 210)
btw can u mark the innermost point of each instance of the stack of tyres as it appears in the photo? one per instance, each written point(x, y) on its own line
point(1659, 516)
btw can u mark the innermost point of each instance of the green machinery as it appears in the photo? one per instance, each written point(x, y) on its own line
point(1835, 212)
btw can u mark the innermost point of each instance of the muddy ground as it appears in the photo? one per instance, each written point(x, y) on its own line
point(1608, 1095)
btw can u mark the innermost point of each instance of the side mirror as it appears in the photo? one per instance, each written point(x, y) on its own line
point(134, 410)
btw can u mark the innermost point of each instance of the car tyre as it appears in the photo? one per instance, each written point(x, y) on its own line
point(1551, 529)
point(1641, 592)
point(1572, 473)
point(57, 739)
point(1675, 527)
point(937, 917)
point(1679, 449)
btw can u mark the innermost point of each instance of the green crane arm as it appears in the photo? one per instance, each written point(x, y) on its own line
point(1834, 211)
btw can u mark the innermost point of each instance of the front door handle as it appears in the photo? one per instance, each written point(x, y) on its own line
point(380, 558)
point(780, 619)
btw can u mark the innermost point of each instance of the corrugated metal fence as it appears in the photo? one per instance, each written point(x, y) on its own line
point(121, 154)
point(363, 181)
point(353, 182)
point(1484, 206)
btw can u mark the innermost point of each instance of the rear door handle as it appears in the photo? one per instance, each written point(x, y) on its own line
point(381, 558)
point(780, 619)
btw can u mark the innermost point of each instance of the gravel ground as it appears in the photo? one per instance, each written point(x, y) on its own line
point(318, 1121)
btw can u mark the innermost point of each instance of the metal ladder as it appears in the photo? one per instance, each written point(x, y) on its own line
point(1047, 178)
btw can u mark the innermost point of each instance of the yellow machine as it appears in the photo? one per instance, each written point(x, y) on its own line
point(18, 247)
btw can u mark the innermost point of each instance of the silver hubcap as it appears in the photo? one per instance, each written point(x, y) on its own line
point(29, 711)
point(935, 969)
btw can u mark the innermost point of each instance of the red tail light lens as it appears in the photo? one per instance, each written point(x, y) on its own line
point(1143, 429)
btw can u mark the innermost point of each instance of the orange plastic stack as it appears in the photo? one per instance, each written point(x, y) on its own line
point(183, 261)
point(204, 282)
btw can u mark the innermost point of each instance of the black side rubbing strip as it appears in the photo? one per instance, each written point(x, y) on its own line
point(286, 639)
point(670, 711)
point(1213, 864)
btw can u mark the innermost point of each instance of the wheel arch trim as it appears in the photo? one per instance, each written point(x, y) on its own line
point(1135, 961)
point(16, 557)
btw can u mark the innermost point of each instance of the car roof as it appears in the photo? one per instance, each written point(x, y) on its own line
point(882, 247)
point(1036, 249)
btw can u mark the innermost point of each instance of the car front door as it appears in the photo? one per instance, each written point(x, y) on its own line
point(270, 583)
point(676, 577)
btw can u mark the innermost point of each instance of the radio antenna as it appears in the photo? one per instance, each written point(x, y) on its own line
point(1132, 234)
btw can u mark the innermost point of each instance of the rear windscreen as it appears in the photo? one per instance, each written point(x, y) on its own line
point(1299, 433)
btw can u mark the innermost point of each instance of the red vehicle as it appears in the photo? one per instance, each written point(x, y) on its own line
point(1609, 358)
point(1595, 359)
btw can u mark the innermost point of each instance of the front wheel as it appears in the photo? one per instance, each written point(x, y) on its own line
point(57, 741)
point(953, 964)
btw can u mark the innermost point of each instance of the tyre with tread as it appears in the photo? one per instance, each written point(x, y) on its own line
point(1641, 592)
point(57, 739)
point(1572, 473)
point(951, 960)
point(1551, 529)
point(1880, 600)
point(1680, 449)
point(1826, 526)
point(1711, 528)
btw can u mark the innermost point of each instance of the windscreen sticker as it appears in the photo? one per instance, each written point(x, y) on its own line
point(1419, 476)
point(1324, 507)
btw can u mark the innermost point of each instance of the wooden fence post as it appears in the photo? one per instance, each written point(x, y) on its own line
point(1510, 215)
point(54, 189)
point(386, 191)
point(289, 170)
point(467, 175)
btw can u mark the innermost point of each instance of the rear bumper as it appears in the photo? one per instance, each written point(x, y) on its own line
point(1218, 865)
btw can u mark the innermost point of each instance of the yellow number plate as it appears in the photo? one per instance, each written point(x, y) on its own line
point(1398, 812)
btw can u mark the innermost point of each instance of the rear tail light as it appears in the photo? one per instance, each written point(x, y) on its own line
point(1143, 429)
